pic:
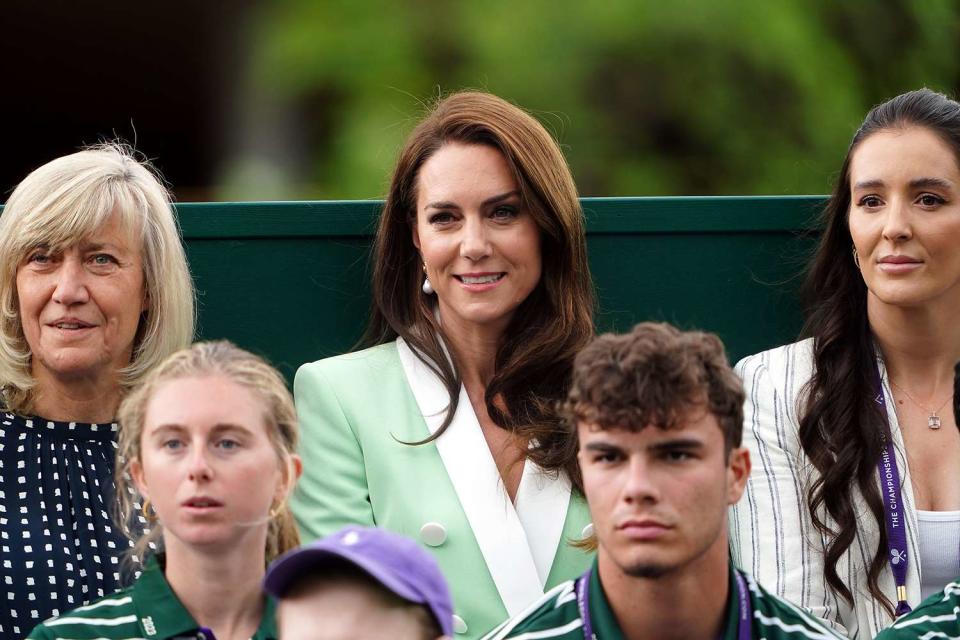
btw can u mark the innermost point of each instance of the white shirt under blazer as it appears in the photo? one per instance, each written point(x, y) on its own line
point(771, 533)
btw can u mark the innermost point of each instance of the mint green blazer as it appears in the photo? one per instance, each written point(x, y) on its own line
point(357, 410)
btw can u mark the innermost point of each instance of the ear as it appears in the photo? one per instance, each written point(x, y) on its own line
point(291, 473)
point(738, 471)
point(415, 233)
point(136, 473)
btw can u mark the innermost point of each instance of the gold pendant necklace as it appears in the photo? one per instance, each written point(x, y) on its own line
point(933, 420)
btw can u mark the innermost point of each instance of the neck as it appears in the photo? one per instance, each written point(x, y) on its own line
point(920, 346)
point(689, 602)
point(475, 347)
point(221, 591)
point(76, 399)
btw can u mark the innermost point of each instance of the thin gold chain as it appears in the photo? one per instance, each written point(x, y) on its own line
point(914, 400)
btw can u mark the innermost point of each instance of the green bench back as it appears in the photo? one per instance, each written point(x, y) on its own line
point(290, 280)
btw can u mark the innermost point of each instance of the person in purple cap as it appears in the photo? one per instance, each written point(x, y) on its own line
point(360, 582)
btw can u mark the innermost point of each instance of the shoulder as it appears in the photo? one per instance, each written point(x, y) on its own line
point(555, 615)
point(113, 616)
point(376, 361)
point(774, 617)
point(796, 357)
point(937, 617)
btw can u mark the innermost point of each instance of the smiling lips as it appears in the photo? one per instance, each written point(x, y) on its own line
point(69, 324)
point(897, 264)
point(480, 281)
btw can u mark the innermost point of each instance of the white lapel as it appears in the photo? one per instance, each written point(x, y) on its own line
point(542, 501)
point(518, 548)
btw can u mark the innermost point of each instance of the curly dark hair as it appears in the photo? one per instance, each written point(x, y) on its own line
point(653, 376)
point(841, 428)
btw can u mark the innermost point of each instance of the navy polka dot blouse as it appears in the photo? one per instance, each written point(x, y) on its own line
point(59, 547)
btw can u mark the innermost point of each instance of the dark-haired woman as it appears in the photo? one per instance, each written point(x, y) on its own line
point(448, 430)
point(853, 509)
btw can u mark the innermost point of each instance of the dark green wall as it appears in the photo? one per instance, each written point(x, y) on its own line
point(290, 280)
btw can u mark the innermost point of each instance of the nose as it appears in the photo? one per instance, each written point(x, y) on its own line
point(474, 244)
point(71, 282)
point(896, 224)
point(641, 483)
point(200, 469)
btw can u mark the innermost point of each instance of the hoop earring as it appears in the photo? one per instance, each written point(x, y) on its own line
point(146, 511)
point(427, 287)
point(275, 511)
point(856, 257)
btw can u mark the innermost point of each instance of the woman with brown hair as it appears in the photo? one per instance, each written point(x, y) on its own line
point(853, 508)
point(448, 431)
point(206, 461)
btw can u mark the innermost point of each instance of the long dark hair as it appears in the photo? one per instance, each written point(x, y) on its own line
point(533, 364)
point(841, 427)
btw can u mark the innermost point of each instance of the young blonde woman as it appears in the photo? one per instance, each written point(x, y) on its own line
point(208, 443)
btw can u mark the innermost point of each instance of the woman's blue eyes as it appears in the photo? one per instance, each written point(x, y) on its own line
point(501, 213)
point(103, 259)
point(226, 444)
point(97, 259)
point(925, 199)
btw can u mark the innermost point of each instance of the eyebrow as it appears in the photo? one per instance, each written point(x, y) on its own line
point(601, 446)
point(220, 427)
point(446, 204)
point(97, 246)
point(678, 443)
point(916, 183)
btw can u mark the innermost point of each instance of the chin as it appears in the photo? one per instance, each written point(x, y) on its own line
point(647, 569)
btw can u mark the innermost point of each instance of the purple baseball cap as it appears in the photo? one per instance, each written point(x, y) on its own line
point(398, 563)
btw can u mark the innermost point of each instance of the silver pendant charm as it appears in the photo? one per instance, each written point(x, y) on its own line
point(933, 421)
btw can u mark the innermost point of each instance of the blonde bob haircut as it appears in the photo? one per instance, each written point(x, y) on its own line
point(208, 359)
point(66, 201)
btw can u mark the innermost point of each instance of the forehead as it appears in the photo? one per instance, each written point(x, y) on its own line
point(121, 232)
point(696, 423)
point(458, 169)
point(203, 402)
point(903, 154)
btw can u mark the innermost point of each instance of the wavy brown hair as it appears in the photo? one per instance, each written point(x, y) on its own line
point(841, 427)
point(533, 363)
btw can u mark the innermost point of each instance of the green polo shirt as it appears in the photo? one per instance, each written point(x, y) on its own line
point(557, 616)
point(148, 610)
point(936, 617)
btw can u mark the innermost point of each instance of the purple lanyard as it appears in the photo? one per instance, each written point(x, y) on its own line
point(744, 631)
point(892, 506)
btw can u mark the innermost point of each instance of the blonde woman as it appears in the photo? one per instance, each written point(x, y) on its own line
point(94, 292)
point(208, 442)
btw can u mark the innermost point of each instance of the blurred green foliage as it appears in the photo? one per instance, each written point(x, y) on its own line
point(686, 97)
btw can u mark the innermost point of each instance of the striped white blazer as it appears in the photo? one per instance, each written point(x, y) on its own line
point(771, 533)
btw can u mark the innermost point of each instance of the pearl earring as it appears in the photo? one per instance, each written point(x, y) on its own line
point(427, 287)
